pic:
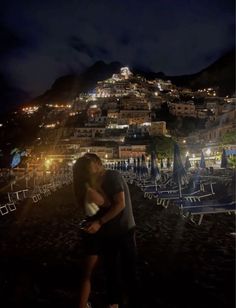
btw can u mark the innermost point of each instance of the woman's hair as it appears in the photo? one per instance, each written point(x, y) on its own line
point(94, 157)
point(82, 177)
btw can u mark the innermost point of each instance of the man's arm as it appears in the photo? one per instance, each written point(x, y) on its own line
point(93, 196)
point(117, 205)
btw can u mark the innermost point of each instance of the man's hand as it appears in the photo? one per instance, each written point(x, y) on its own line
point(93, 227)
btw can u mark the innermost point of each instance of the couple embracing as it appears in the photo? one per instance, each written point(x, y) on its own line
point(108, 231)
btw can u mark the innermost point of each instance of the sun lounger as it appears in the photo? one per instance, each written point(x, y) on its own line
point(193, 197)
point(3, 209)
point(204, 209)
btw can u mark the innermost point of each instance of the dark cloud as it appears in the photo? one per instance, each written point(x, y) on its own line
point(9, 40)
point(102, 51)
point(82, 47)
point(79, 45)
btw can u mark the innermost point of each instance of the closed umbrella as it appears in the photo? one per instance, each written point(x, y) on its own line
point(187, 164)
point(138, 170)
point(123, 166)
point(144, 169)
point(135, 166)
point(179, 173)
point(168, 163)
point(128, 165)
point(224, 160)
point(202, 161)
point(154, 168)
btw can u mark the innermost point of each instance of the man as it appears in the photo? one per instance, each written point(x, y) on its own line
point(117, 226)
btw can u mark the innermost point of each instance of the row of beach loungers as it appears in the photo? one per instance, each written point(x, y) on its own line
point(194, 200)
point(34, 188)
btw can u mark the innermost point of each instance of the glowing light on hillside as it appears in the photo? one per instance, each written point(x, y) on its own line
point(57, 106)
point(73, 114)
point(53, 125)
point(30, 110)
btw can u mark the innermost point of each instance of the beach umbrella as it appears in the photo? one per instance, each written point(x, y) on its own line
point(129, 165)
point(123, 165)
point(17, 157)
point(224, 160)
point(118, 166)
point(187, 164)
point(134, 166)
point(144, 169)
point(179, 173)
point(202, 161)
point(168, 163)
point(16, 160)
point(138, 169)
point(154, 168)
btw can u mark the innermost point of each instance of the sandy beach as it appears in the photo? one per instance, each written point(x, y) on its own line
point(179, 264)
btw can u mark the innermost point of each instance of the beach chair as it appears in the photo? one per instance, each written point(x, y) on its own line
point(153, 189)
point(3, 209)
point(17, 195)
point(198, 211)
point(11, 206)
point(166, 198)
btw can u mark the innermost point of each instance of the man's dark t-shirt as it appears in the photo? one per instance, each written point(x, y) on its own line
point(113, 183)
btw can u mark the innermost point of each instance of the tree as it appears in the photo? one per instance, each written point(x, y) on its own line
point(162, 146)
point(228, 138)
point(232, 161)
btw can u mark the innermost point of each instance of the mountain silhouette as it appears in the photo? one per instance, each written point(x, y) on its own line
point(67, 87)
point(220, 75)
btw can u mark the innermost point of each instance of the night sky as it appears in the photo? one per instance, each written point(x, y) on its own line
point(42, 40)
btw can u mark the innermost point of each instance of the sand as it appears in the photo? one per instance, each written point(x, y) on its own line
point(179, 264)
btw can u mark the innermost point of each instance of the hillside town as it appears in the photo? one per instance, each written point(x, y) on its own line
point(125, 116)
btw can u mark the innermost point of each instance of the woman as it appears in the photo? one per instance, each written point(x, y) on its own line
point(93, 203)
